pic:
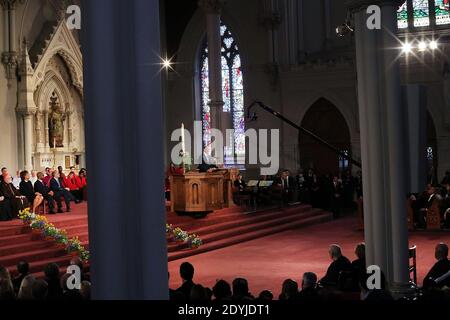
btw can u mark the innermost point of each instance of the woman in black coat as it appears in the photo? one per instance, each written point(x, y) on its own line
point(26, 189)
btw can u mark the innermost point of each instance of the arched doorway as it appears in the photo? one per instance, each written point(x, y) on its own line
point(325, 120)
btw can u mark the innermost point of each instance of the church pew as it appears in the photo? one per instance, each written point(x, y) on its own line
point(433, 217)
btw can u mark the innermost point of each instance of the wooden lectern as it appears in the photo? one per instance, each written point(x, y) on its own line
point(202, 192)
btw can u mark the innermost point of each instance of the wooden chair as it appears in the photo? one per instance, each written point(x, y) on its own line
point(433, 217)
point(241, 199)
point(409, 206)
point(413, 263)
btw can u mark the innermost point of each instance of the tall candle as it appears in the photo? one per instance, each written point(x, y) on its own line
point(183, 143)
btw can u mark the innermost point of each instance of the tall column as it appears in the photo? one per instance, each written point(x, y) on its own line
point(212, 9)
point(28, 141)
point(124, 129)
point(382, 143)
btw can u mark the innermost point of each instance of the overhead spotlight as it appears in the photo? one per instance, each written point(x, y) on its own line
point(406, 47)
point(433, 45)
point(422, 46)
point(166, 63)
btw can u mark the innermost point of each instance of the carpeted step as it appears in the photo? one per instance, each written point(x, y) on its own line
point(319, 218)
point(215, 233)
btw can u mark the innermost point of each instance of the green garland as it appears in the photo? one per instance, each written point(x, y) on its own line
point(48, 230)
point(192, 240)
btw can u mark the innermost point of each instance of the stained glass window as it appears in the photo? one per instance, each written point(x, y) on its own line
point(343, 160)
point(442, 10)
point(233, 95)
point(421, 13)
point(402, 16)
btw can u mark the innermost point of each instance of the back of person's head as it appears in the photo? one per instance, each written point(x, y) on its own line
point(290, 288)
point(309, 280)
point(240, 287)
point(187, 271)
point(26, 288)
point(360, 250)
point(222, 290)
point(6, 290)
point(23, 267)
point(266, 295)
point(85, 290)
point(441, 251)
point(198, 293)
point(64, 281)
point(76, 261)
point(40, 290)
point(4, 274)
point(51, 271)
point(335, 251)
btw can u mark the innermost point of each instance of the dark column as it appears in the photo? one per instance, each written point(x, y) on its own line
point(124, 130)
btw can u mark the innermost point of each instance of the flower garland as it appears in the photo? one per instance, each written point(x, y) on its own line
point(48, 230)
point(192, 240)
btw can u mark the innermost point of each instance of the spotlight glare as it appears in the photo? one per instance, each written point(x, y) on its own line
point(167, 63)
point(422, 46)
point(406, 47)
point(433, 45)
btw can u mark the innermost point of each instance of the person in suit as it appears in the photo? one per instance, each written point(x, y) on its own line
point(4, 173)
point(336, 197)
point(26, 188)
point(41, 188)
point(287, 183)
point(441, 267)
point(48, 177)
point(339, 264)
point(359, 265)
point(309, 291)
point(187, 274)
point(60, 192)
point(5, 207)
point(14, 200)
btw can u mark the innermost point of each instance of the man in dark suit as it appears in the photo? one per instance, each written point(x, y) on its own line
point(41, 188)
point(14, 201)
point(59, 192)
point(287, 184)
point(309, 291)
point(339, 264)
point(441, 267)
point(336, 197)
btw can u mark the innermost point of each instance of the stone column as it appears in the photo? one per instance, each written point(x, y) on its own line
point(46, 133)
point(28, 141)
point(383, 134)
point(212, 9)
point(124, 129)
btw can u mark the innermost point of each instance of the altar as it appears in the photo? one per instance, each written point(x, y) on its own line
point(202, 192)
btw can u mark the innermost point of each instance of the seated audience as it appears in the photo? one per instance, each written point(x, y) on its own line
point(309, 291)
point(222, 291)
point(76, 261)
point(40, 290)
point(240, 184)
point(33, 178)
point(73, 183)
point(199, 294)
point(85, 290)
point(26, 188)
point(339, 264)
point(41, 188)
point(16, 180)
point(51, 272)
point(14, 200)
point(6, 285)
point(187, 274)
point(23, 269)
point(26, 288)
point(440, 268)
point(289, 290)
point(359, 265)
point(5, 208)
point(60, 192)
point(265, 295)
point(241, 291)
point(48, 176)
point(3, 174)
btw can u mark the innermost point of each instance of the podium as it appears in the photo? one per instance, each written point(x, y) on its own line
point(202, 192)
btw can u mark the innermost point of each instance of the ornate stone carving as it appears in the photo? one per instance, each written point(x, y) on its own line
point(10, 61)
point(211, 6)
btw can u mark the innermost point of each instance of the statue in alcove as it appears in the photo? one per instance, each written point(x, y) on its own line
point(56, 123)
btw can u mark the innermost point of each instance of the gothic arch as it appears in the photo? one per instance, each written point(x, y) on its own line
point(52, 83)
